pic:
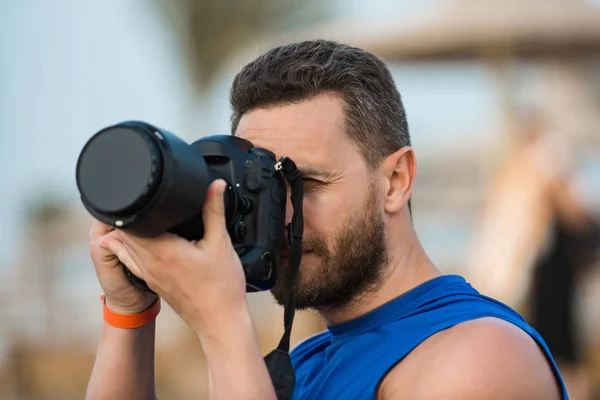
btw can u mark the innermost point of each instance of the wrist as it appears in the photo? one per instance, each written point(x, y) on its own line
point(144, 302)
point(130, 321)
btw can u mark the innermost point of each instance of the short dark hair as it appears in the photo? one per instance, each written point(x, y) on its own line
point(375, 116)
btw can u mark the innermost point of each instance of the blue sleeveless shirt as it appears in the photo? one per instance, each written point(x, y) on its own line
point(350, 359)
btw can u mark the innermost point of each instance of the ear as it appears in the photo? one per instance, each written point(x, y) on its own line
point(399, 170)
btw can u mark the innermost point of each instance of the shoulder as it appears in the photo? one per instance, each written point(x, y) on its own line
point(484, 358)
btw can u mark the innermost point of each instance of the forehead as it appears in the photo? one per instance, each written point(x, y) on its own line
point(310, 132)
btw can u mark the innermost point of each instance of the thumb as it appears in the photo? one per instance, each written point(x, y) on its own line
point(213, 214)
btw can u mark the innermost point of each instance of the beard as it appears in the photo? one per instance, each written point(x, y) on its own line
point(348, 272)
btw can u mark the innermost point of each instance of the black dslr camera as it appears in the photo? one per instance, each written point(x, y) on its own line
point(145, 180)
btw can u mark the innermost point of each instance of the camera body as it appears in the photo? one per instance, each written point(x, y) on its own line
point(146, 180)
point(257, 226)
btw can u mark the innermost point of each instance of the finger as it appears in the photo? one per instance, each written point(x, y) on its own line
point(99, 229)
point(119, 249)
point(129, 240)
point(141, 248)
point(146, 242)
point(213, 212)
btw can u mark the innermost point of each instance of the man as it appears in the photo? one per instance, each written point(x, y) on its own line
point(398, 328)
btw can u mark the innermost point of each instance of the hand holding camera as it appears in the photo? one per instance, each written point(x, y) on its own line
point(121, 296)
point(198, 225)
point(146, 181)
point(201, 280)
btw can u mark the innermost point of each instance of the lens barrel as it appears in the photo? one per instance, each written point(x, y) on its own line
point(141, 178)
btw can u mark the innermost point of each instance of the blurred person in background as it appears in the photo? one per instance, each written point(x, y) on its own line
point(573, 238)
point(398, 327)
point(534, 238)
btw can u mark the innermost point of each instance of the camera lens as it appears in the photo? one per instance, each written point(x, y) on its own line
point(144, 179)
point(119, 170)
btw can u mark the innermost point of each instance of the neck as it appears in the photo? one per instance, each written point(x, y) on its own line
point(408, 267)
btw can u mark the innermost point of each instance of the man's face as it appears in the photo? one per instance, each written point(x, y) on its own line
point(344, 247)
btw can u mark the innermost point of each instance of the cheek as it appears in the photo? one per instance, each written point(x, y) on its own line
point(325, 213)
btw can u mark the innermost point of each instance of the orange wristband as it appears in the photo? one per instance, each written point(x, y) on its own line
point(130, 321)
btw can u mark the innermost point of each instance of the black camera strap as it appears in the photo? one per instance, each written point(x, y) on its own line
point(278, 361)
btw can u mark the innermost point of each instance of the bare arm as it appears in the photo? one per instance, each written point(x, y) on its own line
point(236, 367)
point(124, 367)
point(204, 283)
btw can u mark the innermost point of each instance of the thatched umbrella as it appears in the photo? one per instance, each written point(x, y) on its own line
point(492, 31)
point(556, 33)
point(467, 29)
point(474, 28)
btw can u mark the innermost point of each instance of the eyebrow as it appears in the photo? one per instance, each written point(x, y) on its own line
point(310, 171)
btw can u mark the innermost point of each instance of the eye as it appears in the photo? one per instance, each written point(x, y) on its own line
point(310, 182)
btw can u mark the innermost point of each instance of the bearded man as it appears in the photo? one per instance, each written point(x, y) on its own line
point(398, 328)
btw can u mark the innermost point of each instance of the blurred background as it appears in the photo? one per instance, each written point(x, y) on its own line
point(503, 103)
